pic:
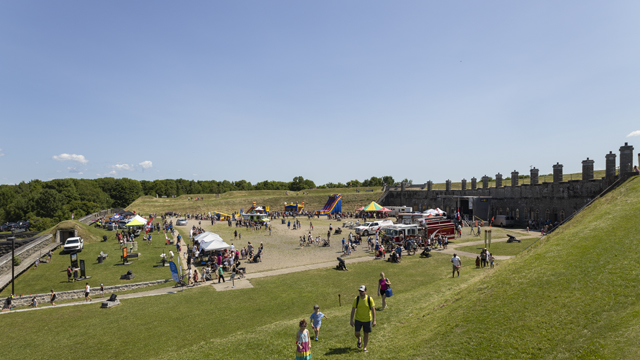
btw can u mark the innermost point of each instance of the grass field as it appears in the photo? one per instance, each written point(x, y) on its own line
point(53, 275)
point(573, 294)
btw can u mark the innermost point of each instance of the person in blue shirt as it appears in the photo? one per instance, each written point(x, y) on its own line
point(316, 320)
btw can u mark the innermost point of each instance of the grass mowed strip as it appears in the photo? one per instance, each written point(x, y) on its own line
point(53, 275)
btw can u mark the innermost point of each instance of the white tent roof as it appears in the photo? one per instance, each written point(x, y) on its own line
point(207, 236)
point(214, 245)
point(139, 218)
point(434, 212)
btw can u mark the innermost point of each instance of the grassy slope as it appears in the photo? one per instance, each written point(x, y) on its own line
point(575, 295)
point(235, 200)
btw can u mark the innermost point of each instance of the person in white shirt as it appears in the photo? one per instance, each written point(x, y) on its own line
point(455, 260)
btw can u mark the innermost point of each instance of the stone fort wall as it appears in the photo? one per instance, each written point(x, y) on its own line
point(535, 201)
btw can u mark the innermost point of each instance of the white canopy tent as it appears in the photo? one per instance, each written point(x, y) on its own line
point(207, 237)
point(434, 212)
point(214, 246)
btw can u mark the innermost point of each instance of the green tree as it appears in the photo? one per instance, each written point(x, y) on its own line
point(48, 203)
point(125, 191)
point(299, 183)
point(388, 180)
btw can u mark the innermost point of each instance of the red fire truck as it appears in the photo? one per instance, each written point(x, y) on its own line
point(435, 226)
point(429, 225)
point(397, 234)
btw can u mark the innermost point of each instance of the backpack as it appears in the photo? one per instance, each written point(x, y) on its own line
point(368, 301)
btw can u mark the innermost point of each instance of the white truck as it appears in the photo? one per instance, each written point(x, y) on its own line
point(372, 226)
point(73, 245)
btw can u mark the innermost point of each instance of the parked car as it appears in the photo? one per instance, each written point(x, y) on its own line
point(73, 244)
point(111, 226)
point(181, 222)
point(23, 225)
point(372, 226)
point(9, 225)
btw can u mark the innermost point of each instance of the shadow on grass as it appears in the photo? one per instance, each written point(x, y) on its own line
point(341, 351)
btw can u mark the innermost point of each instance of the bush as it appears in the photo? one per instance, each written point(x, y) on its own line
point(41, 224)
point(16, 261)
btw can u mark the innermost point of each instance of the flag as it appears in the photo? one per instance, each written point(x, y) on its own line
point(174, 271)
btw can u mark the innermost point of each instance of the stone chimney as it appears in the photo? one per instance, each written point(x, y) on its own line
point(498, 180)
point(474, 184)
point(587, 169)
point(464, 184)
point(610, 169)
point(448, 185)
point(485, 182)
point(429, 185)
point(534, 176)
point(514, 178)
point(557, 173)
point(626, 159)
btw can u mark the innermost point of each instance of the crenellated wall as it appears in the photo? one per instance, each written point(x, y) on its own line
point(535, 201)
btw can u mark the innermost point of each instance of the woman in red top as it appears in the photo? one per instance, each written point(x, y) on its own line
point(383, 285)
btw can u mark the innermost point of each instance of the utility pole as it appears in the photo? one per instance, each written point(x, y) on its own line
point(13, 257)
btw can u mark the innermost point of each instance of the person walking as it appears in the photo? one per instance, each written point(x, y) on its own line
point(457, 263)
point(52, 299)
point(87, 291)
point(316, 320)
point(220, 274)
point(101, 290)
point(364, 312)
point(383, 285)
point(303, 345)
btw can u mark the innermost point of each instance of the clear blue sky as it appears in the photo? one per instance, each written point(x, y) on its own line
point(329, 90)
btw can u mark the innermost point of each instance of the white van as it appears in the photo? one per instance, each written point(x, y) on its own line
point(372, 226)
point(504, 221)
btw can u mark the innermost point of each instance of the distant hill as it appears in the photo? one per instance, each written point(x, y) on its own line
point(235, 200)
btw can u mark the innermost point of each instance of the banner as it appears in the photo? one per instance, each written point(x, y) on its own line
point(174, 271)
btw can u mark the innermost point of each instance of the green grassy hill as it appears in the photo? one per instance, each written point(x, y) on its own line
point(235, 200)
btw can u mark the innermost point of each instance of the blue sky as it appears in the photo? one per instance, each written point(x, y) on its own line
point(331, 90)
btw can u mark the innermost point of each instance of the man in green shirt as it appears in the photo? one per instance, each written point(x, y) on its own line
point(365, 316)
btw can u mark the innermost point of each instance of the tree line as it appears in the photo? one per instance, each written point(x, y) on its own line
point(45, 203)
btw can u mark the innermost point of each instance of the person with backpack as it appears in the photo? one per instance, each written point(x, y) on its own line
point(365, 316)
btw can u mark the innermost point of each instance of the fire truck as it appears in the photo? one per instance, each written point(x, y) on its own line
point(399, 233)
point(439, 225)
point(414, 225)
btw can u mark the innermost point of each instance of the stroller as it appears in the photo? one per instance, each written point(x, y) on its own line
point(325, 243)
point(341, 265)
point(338, 231)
